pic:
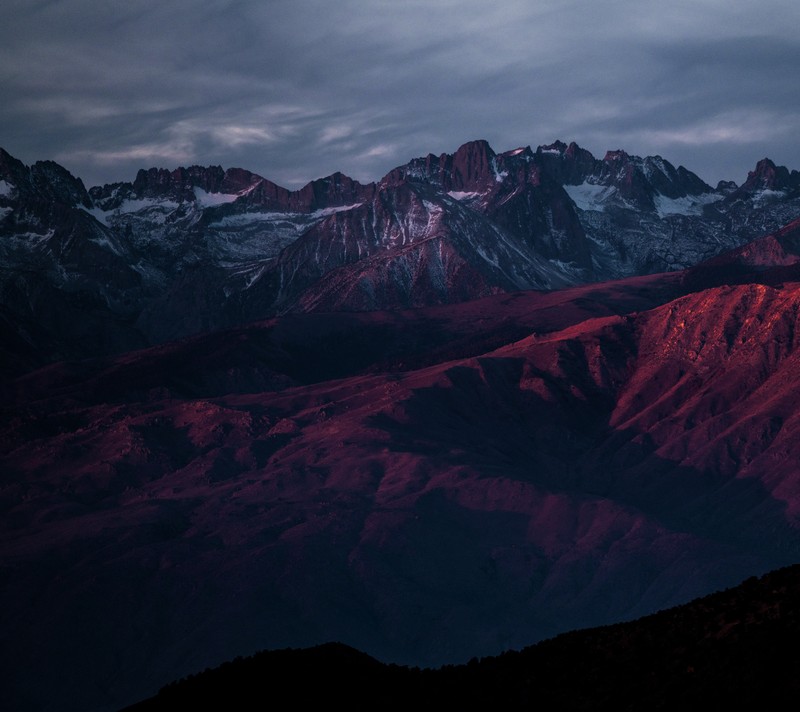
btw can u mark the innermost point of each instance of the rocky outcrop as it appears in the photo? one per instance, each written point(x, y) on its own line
point(229, 245)
point(768, 177)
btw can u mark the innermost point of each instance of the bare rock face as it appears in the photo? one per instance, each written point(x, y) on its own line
point(472, 168)
point(68, 287)
point(182, 251)
point(638, 179)
point(768, 176)
point(512, 191)
point(334, 191)
point(567, 164)
point(409, 246)
point(44, 182)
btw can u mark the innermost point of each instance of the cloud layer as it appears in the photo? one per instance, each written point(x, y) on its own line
point(297, 89)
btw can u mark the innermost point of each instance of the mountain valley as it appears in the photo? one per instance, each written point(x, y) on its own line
point(485, 400)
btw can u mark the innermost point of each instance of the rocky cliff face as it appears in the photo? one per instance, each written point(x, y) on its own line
point(227, 246)
point(68, 286)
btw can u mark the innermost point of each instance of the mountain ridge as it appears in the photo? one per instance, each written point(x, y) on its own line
point(265, 418)
point(227, 246)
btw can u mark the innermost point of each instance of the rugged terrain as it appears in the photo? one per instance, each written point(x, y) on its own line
point(489, 468)
point(174, 253)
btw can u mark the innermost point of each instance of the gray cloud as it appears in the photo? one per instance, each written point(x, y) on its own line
point(296, 89)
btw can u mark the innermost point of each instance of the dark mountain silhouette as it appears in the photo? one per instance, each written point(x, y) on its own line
point(733, 648)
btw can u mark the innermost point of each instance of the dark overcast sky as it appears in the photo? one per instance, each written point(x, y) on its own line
point(297, 89)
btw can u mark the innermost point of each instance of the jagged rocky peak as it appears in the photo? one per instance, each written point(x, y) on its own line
point(640, 180)
point(766, 180)
point(265, 195)
point(523, 152)
point(567, 164)
point(254, 192)
point(571, 151)
point(692, 183)
point(622, 164)
point(473, 164)
point(12, 170)
point(237, 180)
point(472, 167)
point(626, 174)
point(333, 191)
point(768, 176)
point(575, 152)
point(637, 179)
point(179, 183)
point(515, 168)
point(44, 180)
point(557, 147)
point(57, 182)
point(618, 155)
point(670, 181)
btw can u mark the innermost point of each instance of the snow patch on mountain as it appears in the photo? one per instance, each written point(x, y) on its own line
point(254, 218)
point(499, 175)
point(209, 200)
point(464, 195)
point(489, 257)
point(324, 212)
point(134, 206)
point(98, 214)
point(6, 189)
point(767, 195)
point(101, 239)
point(156, 210)
point(304, 219)
point(435, 213)
point(248, 274)
point(687, 205)
point(590, 196)
point(29, 239)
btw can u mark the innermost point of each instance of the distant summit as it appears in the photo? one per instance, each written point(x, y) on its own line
point(184, 250)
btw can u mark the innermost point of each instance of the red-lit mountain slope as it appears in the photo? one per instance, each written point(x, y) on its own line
point(551, 461)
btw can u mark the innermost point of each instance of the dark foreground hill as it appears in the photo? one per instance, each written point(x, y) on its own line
point(734, 649)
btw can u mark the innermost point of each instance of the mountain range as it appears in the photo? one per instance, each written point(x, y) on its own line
point(482, 401)
point(175, 253)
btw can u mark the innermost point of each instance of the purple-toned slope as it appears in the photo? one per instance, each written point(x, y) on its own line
point(572, 477)
point(410, 246)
